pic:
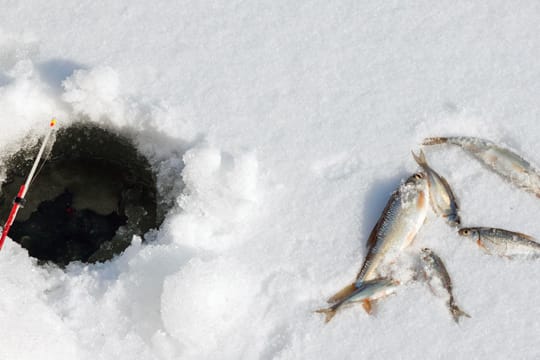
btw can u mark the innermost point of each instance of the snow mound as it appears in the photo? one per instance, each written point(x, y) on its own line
point(29, 323)
point(95, 93)
point(220, 193)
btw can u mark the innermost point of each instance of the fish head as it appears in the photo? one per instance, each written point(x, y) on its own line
point(469, 232)
point(414, 191)
point(416, 179)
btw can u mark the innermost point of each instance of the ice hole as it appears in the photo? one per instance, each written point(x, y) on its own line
point(93, 194)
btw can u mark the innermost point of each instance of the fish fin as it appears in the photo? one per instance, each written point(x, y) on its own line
point(342, 294)
point(420, 158)
point(519, 168)
point(481, 244)
point(421, 200)
point(457, 313)
point(329, 313)
point(372, 240)
point(525, 236)
point(434, 140)
point(367, 305)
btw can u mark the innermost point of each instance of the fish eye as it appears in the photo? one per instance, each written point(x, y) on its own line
point(465, 232)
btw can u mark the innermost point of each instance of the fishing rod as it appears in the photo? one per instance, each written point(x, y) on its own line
point(19, 200)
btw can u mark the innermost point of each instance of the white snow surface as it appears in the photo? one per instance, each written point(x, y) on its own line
point(277, 129)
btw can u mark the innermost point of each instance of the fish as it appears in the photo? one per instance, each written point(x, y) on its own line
point(369, 291)
point(442, 198)
point(504, 162)
point(400, 221)
point(438, 278)
point(503, 243)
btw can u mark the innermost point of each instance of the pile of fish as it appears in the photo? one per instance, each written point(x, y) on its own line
point(406, 212)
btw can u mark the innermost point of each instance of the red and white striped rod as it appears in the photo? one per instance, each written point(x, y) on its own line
point(24, 188)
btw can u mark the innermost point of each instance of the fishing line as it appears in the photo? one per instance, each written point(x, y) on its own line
point(45, 159)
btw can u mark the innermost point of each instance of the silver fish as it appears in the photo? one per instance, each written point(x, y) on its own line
point(504, 162)
point(367, 292)
point(502, 242)
point(397, 227)
point(437, 276)
point(443, 201)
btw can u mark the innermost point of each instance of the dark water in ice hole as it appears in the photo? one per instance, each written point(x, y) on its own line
point(92, 195)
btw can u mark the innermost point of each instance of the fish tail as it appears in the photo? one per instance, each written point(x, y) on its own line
point(342, 294)
point(435, 140)
point(329, 313)
point(420, 158)
point(457, 313)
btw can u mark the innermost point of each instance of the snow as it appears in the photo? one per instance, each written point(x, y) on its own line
point(278, 130)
